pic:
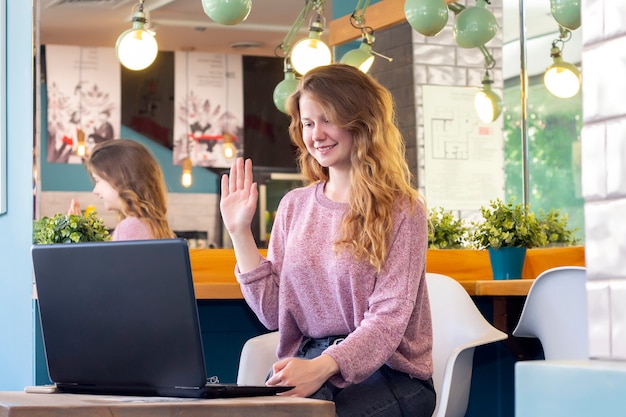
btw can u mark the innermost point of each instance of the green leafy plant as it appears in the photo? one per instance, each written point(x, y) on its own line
point(70, 228)
point(446, 231)
point(508, 224)
point(555, 227)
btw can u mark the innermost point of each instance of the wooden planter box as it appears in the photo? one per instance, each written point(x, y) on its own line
point(468, 264)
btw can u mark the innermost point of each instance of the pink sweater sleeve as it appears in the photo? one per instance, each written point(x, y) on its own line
point(131, 228)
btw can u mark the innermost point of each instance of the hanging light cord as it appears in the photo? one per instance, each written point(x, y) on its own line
point(456, 7)
point(357, 20)
point(287, 42)
point(140, 16)
point(564, 36)
point(490, 62)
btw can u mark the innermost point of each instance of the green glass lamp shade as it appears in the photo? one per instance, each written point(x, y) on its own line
point(427, 17)
point(227, 12)
point(566, 13)
point(284, 89)
point(488, 104)
point(474, 26)
point(361, 57)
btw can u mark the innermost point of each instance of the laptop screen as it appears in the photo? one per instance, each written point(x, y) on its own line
point(119, 314)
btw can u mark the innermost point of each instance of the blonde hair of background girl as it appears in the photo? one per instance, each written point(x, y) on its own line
point(133, 172)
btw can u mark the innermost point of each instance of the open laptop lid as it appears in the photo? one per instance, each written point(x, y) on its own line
point(120, 317)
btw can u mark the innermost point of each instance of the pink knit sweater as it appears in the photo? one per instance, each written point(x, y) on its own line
point(131, 228)
point(304, 289)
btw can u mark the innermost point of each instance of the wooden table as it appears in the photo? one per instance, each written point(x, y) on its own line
point(497, 288)
point(229, 289)
point(20, 404)
point(508, 298)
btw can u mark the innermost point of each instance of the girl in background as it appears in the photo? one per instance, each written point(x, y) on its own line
point(129, 181)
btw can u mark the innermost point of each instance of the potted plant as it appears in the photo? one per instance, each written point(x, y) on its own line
point(506, 231)
point(70, 228)
point(445, 231)
point(554, 225)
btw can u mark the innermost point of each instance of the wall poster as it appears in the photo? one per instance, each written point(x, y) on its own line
point(464, 157)
point(84, 100)
point(208, 112)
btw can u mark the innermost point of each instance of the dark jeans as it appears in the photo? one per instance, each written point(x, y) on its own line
point(386, 393)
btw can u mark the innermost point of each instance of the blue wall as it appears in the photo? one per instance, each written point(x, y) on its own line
point(16, 306)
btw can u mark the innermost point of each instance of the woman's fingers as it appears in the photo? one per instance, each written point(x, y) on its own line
point(232, 177)
point(240, 174)
point(248, 174)
point(224, 186)
point(239, 178)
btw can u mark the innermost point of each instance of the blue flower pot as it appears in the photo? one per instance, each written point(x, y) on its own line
point(507, 262)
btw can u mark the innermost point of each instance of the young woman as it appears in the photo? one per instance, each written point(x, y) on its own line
point(129, 181)
point(344, 278)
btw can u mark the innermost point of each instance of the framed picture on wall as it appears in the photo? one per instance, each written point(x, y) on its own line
point(3, 128)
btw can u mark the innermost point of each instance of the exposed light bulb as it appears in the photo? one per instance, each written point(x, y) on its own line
point(228, 150)
point(137, 48)
point(487, 103)
point(311, 52)
point(81, 149)
point(187, 179)
point(562, 79)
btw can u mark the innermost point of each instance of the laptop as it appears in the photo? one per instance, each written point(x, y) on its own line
point(121, 318)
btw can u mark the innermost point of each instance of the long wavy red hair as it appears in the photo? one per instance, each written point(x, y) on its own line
point(379, 176)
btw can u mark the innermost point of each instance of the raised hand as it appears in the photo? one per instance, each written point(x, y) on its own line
point(239, 197)
point(74, 207)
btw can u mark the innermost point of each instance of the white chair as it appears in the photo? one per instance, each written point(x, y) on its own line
point(555, 312)
point(458, 327)
point(257, 357)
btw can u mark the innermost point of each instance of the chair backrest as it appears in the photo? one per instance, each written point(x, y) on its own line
point(257, 357)
point(458, 327)
point(555, 312)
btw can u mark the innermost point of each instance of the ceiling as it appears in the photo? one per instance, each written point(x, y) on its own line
point(182, 25)
point(179, 24)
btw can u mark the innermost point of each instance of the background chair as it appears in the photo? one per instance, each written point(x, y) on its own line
point(555, 312)
point(257, 357)
point(458, 327)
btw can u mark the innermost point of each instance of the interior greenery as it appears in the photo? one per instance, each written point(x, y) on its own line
point(445, 230)
point(554, 126)
point(70, 228)
point(507, 224)
point(556, 228)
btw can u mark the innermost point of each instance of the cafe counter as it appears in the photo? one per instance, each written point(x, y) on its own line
point(213, 270)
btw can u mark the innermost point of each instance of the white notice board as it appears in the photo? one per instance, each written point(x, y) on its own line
point(464, 157)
